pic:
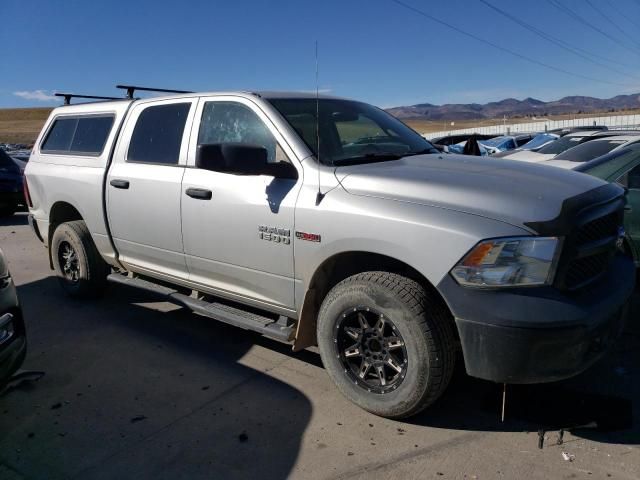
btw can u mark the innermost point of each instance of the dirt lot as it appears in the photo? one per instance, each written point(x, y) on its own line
point(135, 388)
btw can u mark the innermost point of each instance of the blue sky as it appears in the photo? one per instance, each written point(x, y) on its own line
point(372, 50)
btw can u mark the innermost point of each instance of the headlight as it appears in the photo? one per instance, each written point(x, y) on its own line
point(509, 262)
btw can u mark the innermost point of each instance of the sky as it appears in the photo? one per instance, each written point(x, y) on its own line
point(378, 51)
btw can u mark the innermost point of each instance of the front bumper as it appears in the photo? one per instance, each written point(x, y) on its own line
point(535, 335)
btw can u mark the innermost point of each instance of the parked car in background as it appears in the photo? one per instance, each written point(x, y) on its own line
point(11, 178)
point(533, 145)
point(595, 148)
point(505, 142)
point(13, 343)
point(453, 139)
point(539, 141)
point(459, 148)
point(22, 155)
point(556, 147)
point(623, 167)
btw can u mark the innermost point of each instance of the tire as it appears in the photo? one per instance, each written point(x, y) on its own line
point(79, 267)
point(8, 210)
point(417, 336)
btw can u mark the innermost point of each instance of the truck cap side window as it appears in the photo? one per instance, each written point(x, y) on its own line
point(158, 133)
point(78, 135)
point(230, 122)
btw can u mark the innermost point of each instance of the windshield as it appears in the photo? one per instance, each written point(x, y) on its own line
point(561, 145)
point(350, 132)
point(499, 142)
point(589, 150)
point(539, 140)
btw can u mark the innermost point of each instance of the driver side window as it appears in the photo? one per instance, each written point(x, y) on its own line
point(231, 122)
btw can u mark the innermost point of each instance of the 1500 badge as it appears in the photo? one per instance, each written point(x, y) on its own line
point(274, 234)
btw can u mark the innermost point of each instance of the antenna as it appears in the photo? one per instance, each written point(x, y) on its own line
point(320, 195)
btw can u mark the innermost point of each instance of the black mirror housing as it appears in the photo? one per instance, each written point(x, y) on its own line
point(241, 159)
point(235, 158)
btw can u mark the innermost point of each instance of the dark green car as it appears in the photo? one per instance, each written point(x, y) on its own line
point(622, 167)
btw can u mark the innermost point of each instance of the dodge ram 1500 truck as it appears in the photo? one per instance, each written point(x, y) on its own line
point(325, 221)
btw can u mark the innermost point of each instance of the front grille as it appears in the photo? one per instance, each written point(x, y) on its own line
point(589, 248)
point(598, 229)
point(584, 270)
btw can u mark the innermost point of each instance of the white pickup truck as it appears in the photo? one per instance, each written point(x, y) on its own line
point(327, 221)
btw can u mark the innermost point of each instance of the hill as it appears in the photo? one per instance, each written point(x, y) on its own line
point(21, 125)
point(512, 107)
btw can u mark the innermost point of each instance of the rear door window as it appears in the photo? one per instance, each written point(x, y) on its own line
point(81, 135)
point(157, 136)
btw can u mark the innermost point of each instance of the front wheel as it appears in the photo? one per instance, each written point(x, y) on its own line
point(80, 269)
point(388, 346)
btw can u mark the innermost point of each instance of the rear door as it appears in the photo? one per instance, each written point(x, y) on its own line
point(238, 239)
point(144, 187)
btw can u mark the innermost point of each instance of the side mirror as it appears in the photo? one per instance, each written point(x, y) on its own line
point(241, 159)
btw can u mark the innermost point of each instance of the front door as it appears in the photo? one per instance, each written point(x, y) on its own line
point(238, 239)
point(144, 187)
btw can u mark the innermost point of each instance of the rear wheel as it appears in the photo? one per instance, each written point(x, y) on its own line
point(80, 269)
point(387, 344)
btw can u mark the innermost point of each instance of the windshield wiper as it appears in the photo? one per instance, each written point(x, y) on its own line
point(368, 158)
point(379, 157)
point(422, 152)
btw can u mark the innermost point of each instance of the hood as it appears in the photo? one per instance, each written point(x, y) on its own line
point(504, 190)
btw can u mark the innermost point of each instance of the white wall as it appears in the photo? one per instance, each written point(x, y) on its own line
point(613, 122)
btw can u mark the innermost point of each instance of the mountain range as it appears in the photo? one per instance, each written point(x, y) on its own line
point(512, 107)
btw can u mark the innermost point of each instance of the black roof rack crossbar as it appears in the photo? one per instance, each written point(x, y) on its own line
point(132, 88)
point(69, 96)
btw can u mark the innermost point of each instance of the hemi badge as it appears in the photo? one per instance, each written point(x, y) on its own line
point(309, 237)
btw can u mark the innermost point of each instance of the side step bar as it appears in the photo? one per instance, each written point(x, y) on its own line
point(276, 329)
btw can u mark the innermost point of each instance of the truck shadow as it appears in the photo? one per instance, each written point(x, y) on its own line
point(132, 391)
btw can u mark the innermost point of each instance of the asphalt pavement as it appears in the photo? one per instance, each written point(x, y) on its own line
point(137, 388)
